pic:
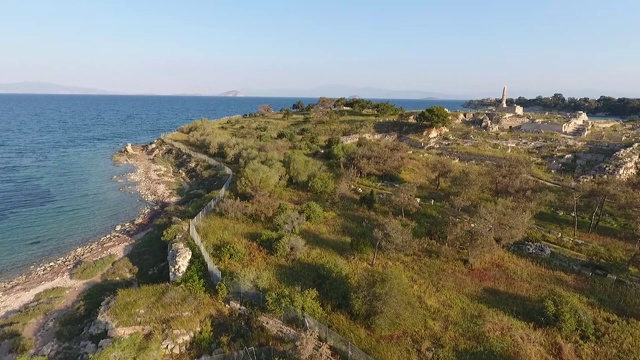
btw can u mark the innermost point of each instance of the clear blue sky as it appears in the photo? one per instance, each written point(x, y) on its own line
point(455, 47)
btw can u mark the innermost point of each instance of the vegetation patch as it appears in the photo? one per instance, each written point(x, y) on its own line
point(90, 269)
point(162, 307)
point(42, 304)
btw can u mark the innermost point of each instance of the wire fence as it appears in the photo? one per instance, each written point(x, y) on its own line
point(216, 275)
point(245, 294)
point(343, 346)
point(248, 354)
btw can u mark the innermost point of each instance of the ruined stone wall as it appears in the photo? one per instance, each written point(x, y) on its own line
point(541, 127)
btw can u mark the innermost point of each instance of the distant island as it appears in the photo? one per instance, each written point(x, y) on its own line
point(49, 88)
point(430, 98)
point(622, 107)
point(232, 93)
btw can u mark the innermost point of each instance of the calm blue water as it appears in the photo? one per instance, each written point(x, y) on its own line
point(56, 191)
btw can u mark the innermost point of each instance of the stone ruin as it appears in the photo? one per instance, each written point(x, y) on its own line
point(178, 257)
point(512, 109)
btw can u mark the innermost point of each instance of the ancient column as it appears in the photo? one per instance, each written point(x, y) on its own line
point(504, 97)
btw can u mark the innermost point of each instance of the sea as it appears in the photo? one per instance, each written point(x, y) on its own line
point(57, 187)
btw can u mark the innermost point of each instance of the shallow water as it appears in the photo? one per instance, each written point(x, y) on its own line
point(56, 191)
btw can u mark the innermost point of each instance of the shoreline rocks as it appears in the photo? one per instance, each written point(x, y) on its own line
point(18, 288)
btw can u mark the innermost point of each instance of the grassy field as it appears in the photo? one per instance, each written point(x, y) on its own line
point(501, 307)
point(402, 251)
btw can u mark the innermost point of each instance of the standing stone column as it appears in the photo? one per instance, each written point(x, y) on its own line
point(504, 97)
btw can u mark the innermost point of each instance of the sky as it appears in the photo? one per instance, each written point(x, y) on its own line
point(456, 47)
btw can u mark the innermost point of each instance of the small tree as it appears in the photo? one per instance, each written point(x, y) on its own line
point(386, 109)
point(383, 299)
point(435, 117)
point(322, 183)
point(264, 110)
point(391, 236)
point(312, 212)
point(298, 106)
point(300, 167)
point(441, 168)
point(289, 221)
point(290, 246)
point(404, 197)
point(258, 179)
point(286, 114)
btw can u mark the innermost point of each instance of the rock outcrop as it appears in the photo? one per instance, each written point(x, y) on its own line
point(352, 139)
point(623, 164)
point(178, 258)
point(433, 133)
point(103, 323)
point(129, 149)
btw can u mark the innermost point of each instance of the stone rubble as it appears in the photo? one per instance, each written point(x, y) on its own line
point(534, 249)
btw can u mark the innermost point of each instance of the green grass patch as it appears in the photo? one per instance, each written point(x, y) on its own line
point(163, 307)
point(90, 269)
point(135, 346)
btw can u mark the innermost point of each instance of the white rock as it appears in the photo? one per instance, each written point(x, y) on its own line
point(178, 258)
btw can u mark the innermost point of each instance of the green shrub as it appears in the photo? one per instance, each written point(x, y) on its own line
point(26, 357)
point(162, 307)
point(197, 277)
point(22, 345)
point(360, 245)
point(122, 269)
point(90, 269)
point(53, 293)
point(565, 312)
point(283, 300)
point(300, 167)
point(312, 212)
point(135, 346)
point(222, 291)
point(289, 222)
point(322, 183)
point(383, 299)
point(173, 232)
point(268, 239)
point(290, 247)
point(258, 179)
point(369, 199)
point(203, 340)
point(230, 252)
point(286, 134)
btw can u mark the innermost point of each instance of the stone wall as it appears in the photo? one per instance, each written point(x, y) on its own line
point(541, 127)
point(513, 109)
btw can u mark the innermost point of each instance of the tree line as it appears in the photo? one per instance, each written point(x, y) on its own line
point(623, 107)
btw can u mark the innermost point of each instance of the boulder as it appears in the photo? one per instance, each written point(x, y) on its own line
point(104, 343)
point(178, 258)
point(49, 349)
point(433, 133)
point(128, 149)
point(103, 322)
point(534, 249)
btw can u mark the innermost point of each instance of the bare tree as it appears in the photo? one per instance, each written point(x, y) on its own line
point(441, 168)
point(264, 109)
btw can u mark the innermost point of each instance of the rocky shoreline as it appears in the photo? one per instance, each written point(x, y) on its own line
point(150, 182)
